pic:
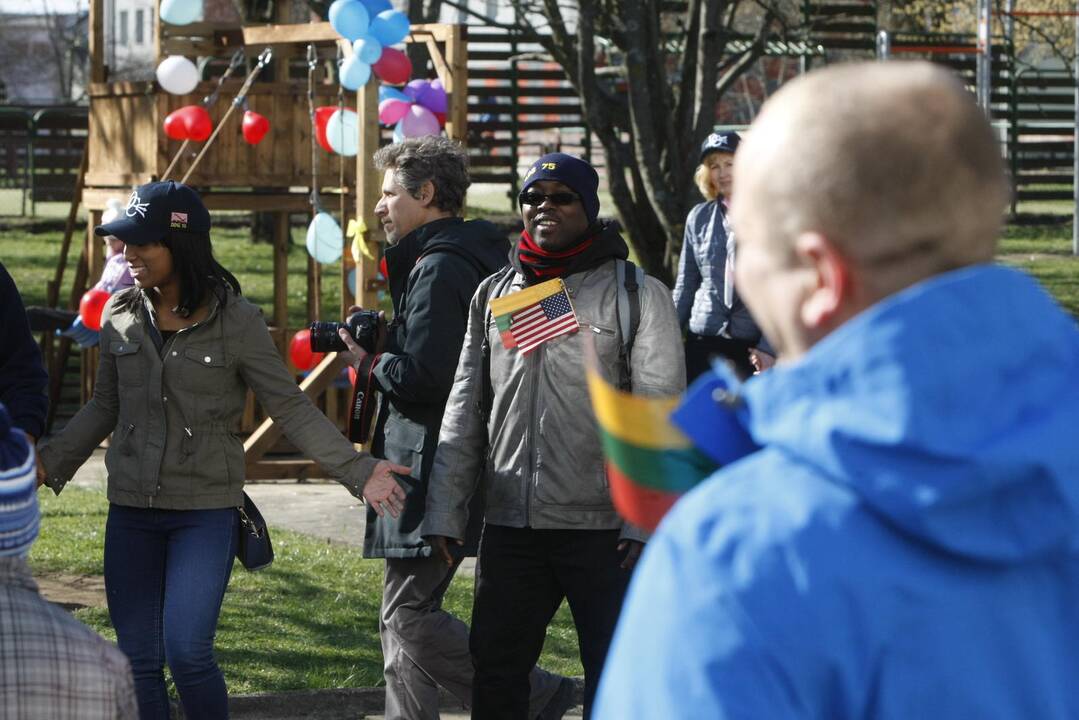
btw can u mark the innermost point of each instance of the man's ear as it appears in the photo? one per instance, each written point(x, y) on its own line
point(427, 193)
point(831, 294)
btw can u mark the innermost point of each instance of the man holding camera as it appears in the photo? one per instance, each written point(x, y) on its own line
point(520, 413)
point(434, 262)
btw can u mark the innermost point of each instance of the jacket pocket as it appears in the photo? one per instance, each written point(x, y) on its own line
point(129, 366)
point(404, 443)
point(205, 371)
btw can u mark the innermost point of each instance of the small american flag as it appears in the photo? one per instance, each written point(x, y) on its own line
point(531, 317)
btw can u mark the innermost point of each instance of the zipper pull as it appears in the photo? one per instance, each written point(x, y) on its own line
point(185, 445)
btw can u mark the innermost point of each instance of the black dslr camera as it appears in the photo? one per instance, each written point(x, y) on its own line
point(364, 327)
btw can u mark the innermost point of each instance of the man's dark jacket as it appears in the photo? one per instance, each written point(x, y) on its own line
point(23, 380)
point(433, 273)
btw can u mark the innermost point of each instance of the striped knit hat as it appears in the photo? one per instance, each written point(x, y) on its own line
point(19, 515)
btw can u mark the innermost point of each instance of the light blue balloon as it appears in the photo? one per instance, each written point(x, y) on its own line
point(367, 49)
point(389, 92)
point(349, 18)
point(354, 73)
point(324, 242)
point(181, 12)
point(343, 132)
point(352, 282)
point(390, 27)
point(399, 131)
point(374, 7)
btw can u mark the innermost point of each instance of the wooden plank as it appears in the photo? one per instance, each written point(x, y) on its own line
point(368, 192)
point(280, 275)
point(456, 83)
point(96, 48)
point(313, 385)
point(287, 34)
point(69, 230)
point(96, 194)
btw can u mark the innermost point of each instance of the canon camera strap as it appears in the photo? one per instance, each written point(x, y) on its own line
point(361, 411)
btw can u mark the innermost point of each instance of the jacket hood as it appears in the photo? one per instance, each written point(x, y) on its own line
point(479, 241)
point(950, 409)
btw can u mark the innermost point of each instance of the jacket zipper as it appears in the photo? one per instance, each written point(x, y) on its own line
point(533, 464)
point(185, 446)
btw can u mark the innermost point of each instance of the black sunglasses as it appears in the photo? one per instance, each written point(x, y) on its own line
point(536, 198)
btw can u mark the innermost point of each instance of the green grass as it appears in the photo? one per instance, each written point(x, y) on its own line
point(1045, 251)
point(31, 258)
point(309, 621)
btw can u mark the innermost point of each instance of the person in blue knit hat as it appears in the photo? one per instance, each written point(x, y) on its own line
point(65, 670)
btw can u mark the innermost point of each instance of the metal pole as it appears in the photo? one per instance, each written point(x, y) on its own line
point(1075, 145)
point(884, 45)
point(985, 56)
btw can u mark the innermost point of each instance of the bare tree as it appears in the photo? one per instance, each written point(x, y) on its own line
point(670, 64)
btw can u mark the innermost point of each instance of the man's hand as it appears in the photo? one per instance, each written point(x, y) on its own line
point(382, 492)
point(41, 474)
point(632, 549)
point(761, 360)
point(440, 544)
point(355, 354)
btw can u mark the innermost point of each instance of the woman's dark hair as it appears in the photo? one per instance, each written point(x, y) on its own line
point(198, 271)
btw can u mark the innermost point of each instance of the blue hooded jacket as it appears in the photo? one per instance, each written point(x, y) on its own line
point(905, 546)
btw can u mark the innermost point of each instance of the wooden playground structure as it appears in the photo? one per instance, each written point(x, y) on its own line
point(127, 147)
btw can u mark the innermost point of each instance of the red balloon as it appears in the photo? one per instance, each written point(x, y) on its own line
point(393, 67)
point(299, 351)
point(322, 116)
point(352, 374)
point(255, 127)
point(174, 126)
point(197, 121)
point(91, 306)
point(441, 119)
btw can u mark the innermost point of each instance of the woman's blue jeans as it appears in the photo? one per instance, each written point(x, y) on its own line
point(165, 577)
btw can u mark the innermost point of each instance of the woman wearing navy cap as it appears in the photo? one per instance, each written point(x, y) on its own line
point(716, 321)
point(178, 354)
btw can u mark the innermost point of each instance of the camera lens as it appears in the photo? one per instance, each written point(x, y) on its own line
point(324, 337)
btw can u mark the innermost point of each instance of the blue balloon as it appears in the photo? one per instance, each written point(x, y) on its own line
point(374, 7)
point(183, 12)
point(349, 18)
point(354, 73)
point(367, 49)
point(390, 27)
point(324, 241)
point(399, 131)
point(389, 92)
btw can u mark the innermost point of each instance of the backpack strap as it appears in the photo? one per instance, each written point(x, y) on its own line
point(487, 397)
point(630, 278)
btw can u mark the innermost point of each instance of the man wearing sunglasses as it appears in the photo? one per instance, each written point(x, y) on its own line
point(520, 417)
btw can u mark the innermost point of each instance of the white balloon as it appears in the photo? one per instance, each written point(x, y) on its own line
point(177, 75)
point(181, 12)
point(324, 241)
point(343, 134)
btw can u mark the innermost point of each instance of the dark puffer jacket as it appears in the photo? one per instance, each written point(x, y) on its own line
point(433, 273)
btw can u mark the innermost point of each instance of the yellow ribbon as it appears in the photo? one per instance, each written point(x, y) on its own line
point(356, 228)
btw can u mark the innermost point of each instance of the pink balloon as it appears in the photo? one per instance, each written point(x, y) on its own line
point(391, 110)
point(419, 121)
point(393, 67)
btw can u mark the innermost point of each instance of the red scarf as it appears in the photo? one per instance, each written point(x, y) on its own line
point(545, 264)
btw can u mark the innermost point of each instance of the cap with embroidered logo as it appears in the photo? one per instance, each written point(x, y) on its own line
point(574, 173)
point(156, 209)
point(720, 142)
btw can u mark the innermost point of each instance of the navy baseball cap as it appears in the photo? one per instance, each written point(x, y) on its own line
point(156, 209)
point(720, 142)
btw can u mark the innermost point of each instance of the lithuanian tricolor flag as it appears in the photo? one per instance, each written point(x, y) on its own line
point(650, 462)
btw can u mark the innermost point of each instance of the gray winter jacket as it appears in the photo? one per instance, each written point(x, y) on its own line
point(544, 468)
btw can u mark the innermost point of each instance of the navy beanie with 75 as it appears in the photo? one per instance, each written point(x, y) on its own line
point(572, 172)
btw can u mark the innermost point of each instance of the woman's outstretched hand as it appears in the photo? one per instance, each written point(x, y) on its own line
point(382, 491)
